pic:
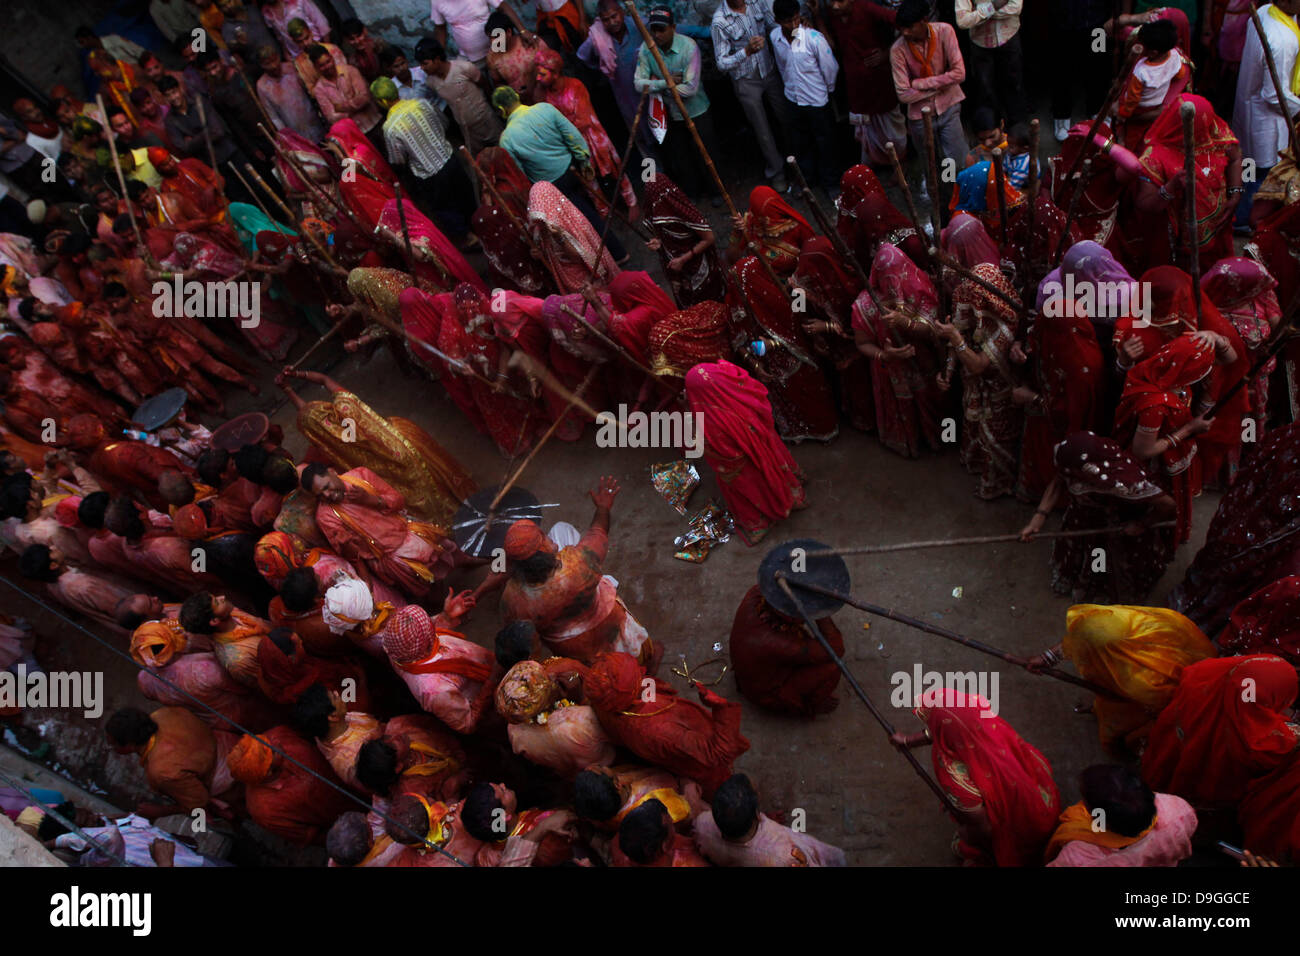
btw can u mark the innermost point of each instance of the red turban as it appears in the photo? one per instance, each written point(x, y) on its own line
point(85, 431)
point(158, 155)
point(613, 681)
point(409, 635)
point(65, 512)
point(190, 522)
point(525, 539)
point(250, 760)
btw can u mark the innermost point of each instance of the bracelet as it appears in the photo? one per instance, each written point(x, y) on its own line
point(1106, 146)
point(1050, 657)
point(960, 348)
point(926, 734)
point(1236, 190)
point(1172, 439)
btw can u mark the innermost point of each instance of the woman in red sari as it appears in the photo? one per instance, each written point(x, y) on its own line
point(1267, 622)
point(867, 219)
point(760, 480)
point(1228, 724)
point(437, 260)
point(1000, 786)
point(567, 240)
point(824, 278)
point(569, 95)
point(1242, 290)
point(423, 317)
point(520, 326)
point(638, 304)
point(504, 243)
point(802, 400)
point(899, 345)
point(681, 340)
point(1154, 419)
point(982, 334)
point(774, 226)
point(349, 143)
point(967, 241)
point(685, 242)
point(367, 199)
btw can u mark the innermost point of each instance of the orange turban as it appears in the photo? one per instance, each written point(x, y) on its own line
point(190, 522)
point(157, 155)
point(250, 760)
point(155, 643)
point(525, 539)
point(276, 555)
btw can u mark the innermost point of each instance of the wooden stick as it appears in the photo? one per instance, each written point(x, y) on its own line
point(252, 91)
point(338, 326)
point(297, 222)
point(589, 296)
point(953, 636)
point(932, 170)
point(121, 182)
point(823, 222)
point(401, 218)
point(582, 387)
point(1080, 184)
point(258, 199)
point(1031, 213)
point(618, 176)
point(533, 246)
point(549, 381)
point(1116, 87)
point(1187, 113)
point(881, 719)
point(207, 133)
point(1031, 184)
point(948, 262)
point(1284, 333)
point(1277, 83)
point(983, 539)
point(338, 204)
point(999, 181)
point(393, 327)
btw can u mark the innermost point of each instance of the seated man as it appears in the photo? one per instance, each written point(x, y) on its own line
point(123, 466)
point(603, 796)
point(235, 634)
point(183, 758)
point(646, 838)
point(545, 727)
point(280, 795)
point(362, 517)
point(778, 665)
point(351, 841)
point(416, 754)
point(431, 833)
point(1140, 828)
point(734, 833)
point(300, 607)
point(97, 596)
point(512, 837)
point(287, 669)
point(445, 673)
point(564, 592)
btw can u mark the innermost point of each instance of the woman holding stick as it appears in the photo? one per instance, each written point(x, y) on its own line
point(775, 227)
point(437, 260)
point(685, 242)
point(567, 239)
point(1104, 486)
point(867, 218)
point(899, 343)
point(1001, 787)
point(507, 247)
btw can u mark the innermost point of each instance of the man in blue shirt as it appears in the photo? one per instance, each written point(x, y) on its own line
point(611, 47)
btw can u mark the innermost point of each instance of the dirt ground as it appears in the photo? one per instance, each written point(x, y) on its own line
point(856, 791)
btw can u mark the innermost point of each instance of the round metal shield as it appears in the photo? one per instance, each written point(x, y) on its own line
point(793, 558)
point(247, 429)
point(159, 410)
point(479, 531)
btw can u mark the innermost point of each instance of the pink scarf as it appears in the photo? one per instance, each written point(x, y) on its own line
point(604, 44)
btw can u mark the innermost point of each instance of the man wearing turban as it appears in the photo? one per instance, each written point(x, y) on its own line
point(547, 729)
point(564, 592)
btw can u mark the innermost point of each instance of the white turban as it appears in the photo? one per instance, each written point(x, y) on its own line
point(347, 604)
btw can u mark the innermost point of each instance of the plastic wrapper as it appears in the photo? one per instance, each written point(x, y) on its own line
point(675, 480)
point(707, 528)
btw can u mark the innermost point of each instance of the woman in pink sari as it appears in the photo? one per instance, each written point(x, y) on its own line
point(567, 239)
point(351, 144)
point(967, 241)
point(205, 261)
point(320, 171)
point(437, 261)
point(761, 482)
point(423, 316)
point(1001, 787)
point(569, 95)
point(900, 345)
point(1243, 291)
point(638, 304)
point(520, 326)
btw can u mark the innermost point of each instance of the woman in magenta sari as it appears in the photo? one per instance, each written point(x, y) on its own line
point(967, 241)
point(824, 278)
point(1242, 290)
point(569, 95)
point(638, 304)
point(504, 243)
point(761, 482)
point(1000, 786)
point(900, 346)
point(802, 401)
point(437, 261)
point(685, 242)
point(423, 316)
point(867, 219)
point(568, 240)
point(346, 138)
point(577, 353)
point(520, 326)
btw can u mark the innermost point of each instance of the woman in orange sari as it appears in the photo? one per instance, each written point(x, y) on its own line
point(1000, 786)
point(433, 482)
point(775, 227)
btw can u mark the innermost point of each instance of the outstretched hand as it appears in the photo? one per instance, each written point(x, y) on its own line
point(605, 492)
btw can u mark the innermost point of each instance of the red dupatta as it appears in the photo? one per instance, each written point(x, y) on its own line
point(982, 762)
point(347, 135)
point(1212, 140)
point(1223, 727)
point(367, 199)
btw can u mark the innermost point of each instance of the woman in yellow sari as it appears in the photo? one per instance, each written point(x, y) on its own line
point(354, 435)
point(1136, 652)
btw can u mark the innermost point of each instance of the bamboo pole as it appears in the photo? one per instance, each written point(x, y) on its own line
point(618, 177)
point(533, 247)
point(983, 539)
point(207, 134)
point(121, 182)
point(582, 387)
point(1187, 113)
point(999, 181)
point(297, 222)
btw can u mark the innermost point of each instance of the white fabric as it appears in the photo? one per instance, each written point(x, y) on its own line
point(465, 20)
point(564, 534)
point(807, 66)
point(1256, 118)
point(347, 604)
point(1156, 79)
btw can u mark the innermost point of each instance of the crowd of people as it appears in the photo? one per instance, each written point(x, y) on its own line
point(1097, 333)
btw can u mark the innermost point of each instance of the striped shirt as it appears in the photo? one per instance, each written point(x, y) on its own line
point(731, 33)
point(414, 136)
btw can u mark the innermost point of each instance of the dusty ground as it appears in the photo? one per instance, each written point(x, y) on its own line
point(856, 791)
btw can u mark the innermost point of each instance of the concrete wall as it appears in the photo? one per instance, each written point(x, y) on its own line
point(37, 41)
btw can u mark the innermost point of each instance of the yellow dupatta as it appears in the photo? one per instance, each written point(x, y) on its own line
point(1076, 825)
point(1290, 23)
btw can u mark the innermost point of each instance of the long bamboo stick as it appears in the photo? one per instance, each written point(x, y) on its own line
point(932, 170)
point(510, 483)
point(121, 182)
point(1187, 113)
point(982, 539)
point(999, 180)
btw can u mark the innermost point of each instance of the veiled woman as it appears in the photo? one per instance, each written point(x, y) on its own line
point(568, 241)
point(437, 260)
point(685, 242)
point(354, 435)
point(761, 482)
point(349, 143)
point(1243, 291)
point(500, 225)
point(774, 226)
point(899, 345)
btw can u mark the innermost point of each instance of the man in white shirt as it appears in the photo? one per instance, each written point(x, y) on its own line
point(1257, 117)
point(466, 18)
point(808, 69)
point(739, 30)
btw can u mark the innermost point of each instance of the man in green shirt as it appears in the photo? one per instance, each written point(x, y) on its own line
point(682, 57)
point(547, 148)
